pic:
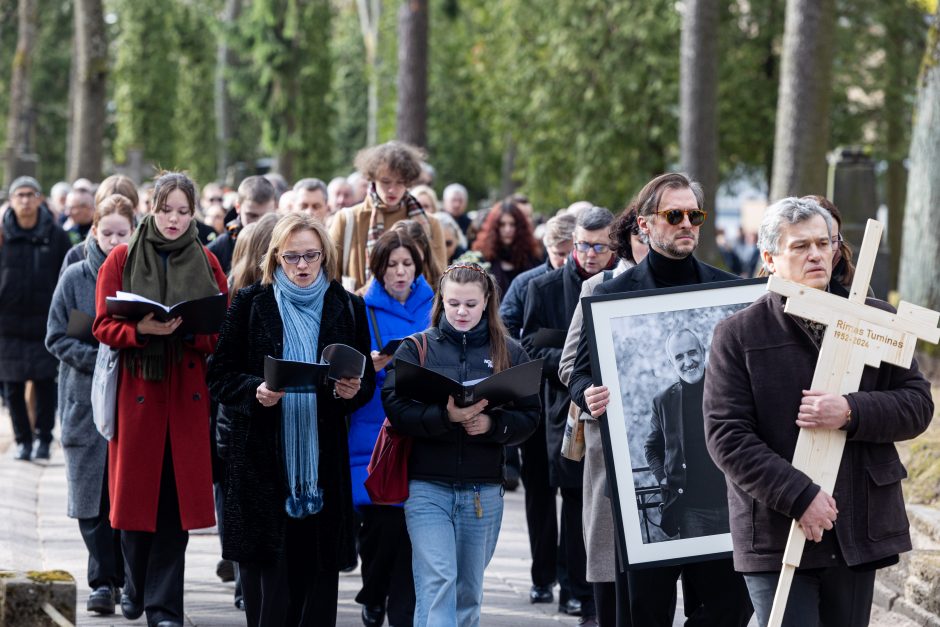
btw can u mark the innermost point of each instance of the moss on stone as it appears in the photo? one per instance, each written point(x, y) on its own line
point(922, 458)
point(49, 576)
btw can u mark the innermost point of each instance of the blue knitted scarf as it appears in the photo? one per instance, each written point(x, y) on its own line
point(300, 309)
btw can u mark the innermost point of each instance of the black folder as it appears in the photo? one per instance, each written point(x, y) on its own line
point(338, 362)
point(79, 326)
point(200, 315)
point(431, 387)
point(391, 346)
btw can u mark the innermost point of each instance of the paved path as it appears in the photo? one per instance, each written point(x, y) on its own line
point(35, 534)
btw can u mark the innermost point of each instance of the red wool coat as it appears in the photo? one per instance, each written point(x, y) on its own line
point(148, 410)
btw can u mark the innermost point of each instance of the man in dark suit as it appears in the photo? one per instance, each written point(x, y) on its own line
point(670, 214)
point(694, 499)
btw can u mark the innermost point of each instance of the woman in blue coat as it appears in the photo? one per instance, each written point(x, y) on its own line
point(398, 304)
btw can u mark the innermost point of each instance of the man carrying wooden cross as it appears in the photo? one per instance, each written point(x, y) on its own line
point(757, 398)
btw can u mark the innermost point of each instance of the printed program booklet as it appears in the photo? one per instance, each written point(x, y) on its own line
point(200, 315)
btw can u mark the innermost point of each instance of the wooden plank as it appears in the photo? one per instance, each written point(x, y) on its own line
point(865, 261)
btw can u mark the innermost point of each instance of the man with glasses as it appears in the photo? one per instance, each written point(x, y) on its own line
point(31, 251)
point(549, 305)
point(670, 213)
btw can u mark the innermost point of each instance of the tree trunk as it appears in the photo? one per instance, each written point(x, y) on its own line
point(895, 118)
point(224, 60)
point(802, 135)
point(20, 115)
point(90, 99)
point(413, 72)
point(369, 14)
point(921, 242)
point(698, 109)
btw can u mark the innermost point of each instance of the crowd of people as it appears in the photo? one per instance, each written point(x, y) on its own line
point(201, 439)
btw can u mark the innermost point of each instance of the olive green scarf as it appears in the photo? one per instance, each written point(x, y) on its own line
point(185, 275)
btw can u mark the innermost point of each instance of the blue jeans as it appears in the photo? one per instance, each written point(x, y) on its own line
point(450, 549)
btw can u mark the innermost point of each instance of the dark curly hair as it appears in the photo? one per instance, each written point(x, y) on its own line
point(399, 158)
point(524, 247)
point(622, 229)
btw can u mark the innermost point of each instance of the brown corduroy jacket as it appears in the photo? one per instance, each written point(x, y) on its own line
point(760, 361)
point(357, 264)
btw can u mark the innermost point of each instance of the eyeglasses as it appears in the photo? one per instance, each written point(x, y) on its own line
point(294, 258)
point(586, 246)
point(25, 195)
point(836, 240)
point(675, 216)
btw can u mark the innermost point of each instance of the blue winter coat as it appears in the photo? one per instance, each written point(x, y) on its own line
point(394, 320)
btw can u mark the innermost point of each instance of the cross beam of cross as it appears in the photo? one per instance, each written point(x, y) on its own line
point(857, 335)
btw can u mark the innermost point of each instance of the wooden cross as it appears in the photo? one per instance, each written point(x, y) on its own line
point(856, 335)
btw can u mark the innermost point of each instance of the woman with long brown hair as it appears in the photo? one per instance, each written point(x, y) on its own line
point(455, 470)
point(507, 243)
point(159, 466)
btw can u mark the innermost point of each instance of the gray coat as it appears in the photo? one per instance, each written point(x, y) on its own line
point(86, 451)
point(596, 514)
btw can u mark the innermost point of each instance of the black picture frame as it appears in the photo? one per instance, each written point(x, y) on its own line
point(627, 333)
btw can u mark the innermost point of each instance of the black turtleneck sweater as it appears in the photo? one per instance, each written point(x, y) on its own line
point(672, 272)
point(704, 482)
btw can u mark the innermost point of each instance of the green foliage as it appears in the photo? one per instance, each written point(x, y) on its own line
point(348, 97)
point(587, 93)
point(285, 44)
point(49, 80)
point(749, 74)
point(194, 135)
point(460, 138)
point(145, 80)
point(7, 49)
point(879, 48)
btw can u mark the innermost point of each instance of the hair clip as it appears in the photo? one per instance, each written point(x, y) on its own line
point(467, 266)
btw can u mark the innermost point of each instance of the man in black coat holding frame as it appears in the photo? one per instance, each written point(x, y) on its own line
point(670, 213)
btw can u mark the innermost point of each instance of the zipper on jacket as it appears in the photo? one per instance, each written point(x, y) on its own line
point(463, 433)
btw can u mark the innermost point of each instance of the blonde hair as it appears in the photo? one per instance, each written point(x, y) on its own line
point(428, 191)
point(118, 204)
point(288, 225)
point(252, 243)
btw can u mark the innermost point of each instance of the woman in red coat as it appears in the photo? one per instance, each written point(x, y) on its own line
point(160, 479)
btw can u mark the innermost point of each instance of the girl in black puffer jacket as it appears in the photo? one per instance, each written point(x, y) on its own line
point(455, 471)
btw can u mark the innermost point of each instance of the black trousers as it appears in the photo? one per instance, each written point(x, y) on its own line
point(105, 558)
point(572, 531)
point(219, 495)
point(612, 599)
point(291, 591)
point(45, 393)
point(385, 549)
point(715, 595)
point(826, 597)
point(540, 511)
point(154, 562)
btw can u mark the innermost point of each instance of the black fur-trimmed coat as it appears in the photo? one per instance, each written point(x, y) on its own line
point(256, 486)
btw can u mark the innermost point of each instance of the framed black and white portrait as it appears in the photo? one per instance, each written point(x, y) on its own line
point(650, 349)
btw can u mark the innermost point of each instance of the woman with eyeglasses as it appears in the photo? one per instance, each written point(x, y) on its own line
point(507, 243)
point(288, 502)
point(455, 470)
point(159, 466)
